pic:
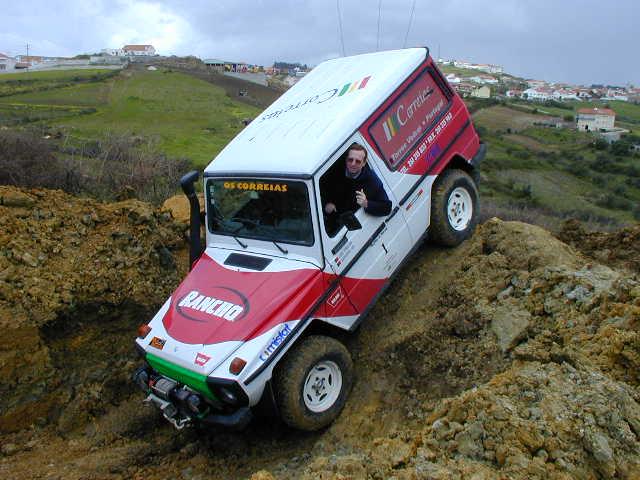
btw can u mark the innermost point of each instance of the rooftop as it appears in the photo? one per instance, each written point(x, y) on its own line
point(309, 122)
point(597, 111)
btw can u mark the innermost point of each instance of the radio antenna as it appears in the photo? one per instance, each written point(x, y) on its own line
point(413, 7)
point(340, 25)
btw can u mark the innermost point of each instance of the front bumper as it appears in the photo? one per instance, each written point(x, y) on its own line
point(183, 406)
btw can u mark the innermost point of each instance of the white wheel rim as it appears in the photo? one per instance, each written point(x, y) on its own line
point(459, 209)
point(322, 386)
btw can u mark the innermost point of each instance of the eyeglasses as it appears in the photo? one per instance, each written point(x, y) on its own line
point(357, 161)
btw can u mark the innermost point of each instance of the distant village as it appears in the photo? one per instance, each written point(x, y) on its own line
point(469, 80)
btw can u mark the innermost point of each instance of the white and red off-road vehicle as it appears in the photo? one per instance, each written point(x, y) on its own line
point(258, 317)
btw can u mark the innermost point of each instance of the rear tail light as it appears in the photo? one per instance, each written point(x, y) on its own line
point(143, 330)
point(237, 364)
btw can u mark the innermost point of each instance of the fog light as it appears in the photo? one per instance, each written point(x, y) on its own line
point(237, 364)
point(228, 396)
point(194, 403)
point(143, 330)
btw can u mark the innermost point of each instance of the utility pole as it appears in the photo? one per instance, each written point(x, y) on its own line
point(28, 56)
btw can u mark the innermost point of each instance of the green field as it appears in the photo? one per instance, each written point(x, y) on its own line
point(560, 172)
point(190, 118)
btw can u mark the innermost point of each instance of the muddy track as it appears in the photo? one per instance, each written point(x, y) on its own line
point(513, 355)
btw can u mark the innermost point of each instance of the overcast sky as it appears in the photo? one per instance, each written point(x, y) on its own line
point(578, 41)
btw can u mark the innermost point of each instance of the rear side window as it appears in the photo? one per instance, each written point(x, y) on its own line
point(399, 128)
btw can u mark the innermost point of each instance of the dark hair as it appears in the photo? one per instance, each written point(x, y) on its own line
point(357, 146)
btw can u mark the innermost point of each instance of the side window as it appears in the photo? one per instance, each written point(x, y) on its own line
point(332, 192)
point(348, 185)
point(407, 120)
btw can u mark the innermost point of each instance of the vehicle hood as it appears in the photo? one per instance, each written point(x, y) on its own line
point(216, 303)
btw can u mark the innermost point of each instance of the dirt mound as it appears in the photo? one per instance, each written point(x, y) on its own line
point(511, 356)
point(619, 249)
point(69, 268)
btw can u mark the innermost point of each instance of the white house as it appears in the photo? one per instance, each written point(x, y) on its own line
point(536, 83)
point(453, 78)
point(32, 60)
point(139, 50)
point(540, 94)
point(584, 94)
point(513, 93)
point(595, 119)
point(6, 63)
point(485, 67)
point(481, 92)
point(113, 52)
point(616, 94)
point(565, 94)
point(484, 79)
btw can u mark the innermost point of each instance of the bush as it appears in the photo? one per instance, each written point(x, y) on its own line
point(27, 160)
point(600, 144)
point(611, 201)
point(620, 148)
point(112, 168)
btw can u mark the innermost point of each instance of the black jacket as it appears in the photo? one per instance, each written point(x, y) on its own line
point(341, 190)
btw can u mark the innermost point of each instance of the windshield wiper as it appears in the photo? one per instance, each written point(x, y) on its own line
point(282, 249)
point(243, 245)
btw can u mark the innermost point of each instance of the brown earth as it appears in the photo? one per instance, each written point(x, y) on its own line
point(514, 355)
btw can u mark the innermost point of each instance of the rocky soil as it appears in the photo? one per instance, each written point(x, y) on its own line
point(515, 355)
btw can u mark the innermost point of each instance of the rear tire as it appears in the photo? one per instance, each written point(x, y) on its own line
point(454, 208)
point(312, 383)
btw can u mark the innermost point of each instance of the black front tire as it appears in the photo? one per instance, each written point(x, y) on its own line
point(294, 377)
point(454, 190)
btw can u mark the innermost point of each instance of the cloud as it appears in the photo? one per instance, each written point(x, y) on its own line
point(573, 40)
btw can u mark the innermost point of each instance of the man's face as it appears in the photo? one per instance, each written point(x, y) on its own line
point(355, 161)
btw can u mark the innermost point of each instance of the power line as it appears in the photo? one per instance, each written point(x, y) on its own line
point(378, 38)
point(413, 7)
point(340, 25)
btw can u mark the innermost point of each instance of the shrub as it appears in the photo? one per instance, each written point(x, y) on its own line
point(111, 168)
point(27, 160)
point(620, 148)
point(600, 144)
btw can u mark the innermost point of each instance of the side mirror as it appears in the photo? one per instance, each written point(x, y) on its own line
point(195, 248)
point(349, 220)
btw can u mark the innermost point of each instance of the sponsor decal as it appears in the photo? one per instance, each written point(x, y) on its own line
point(275, 342)
point(218, 303)
point(408, 118)
point(256, 186)
point(391, 126)
point(157, 342)
point(403, 113)
point(201, 359)
point(321, 98)
point(335, 298)
point(414, 199)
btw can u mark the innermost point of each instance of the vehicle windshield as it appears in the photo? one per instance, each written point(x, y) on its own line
point(271, 210)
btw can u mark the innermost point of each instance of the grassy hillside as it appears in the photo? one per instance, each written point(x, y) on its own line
point(190, 118)
point(556, 173)
point(531, 172)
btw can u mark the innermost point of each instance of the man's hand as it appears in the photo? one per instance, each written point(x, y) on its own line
point(329, 208)
point(361, 199)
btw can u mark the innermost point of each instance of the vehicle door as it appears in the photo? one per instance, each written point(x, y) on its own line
point(363, 259)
